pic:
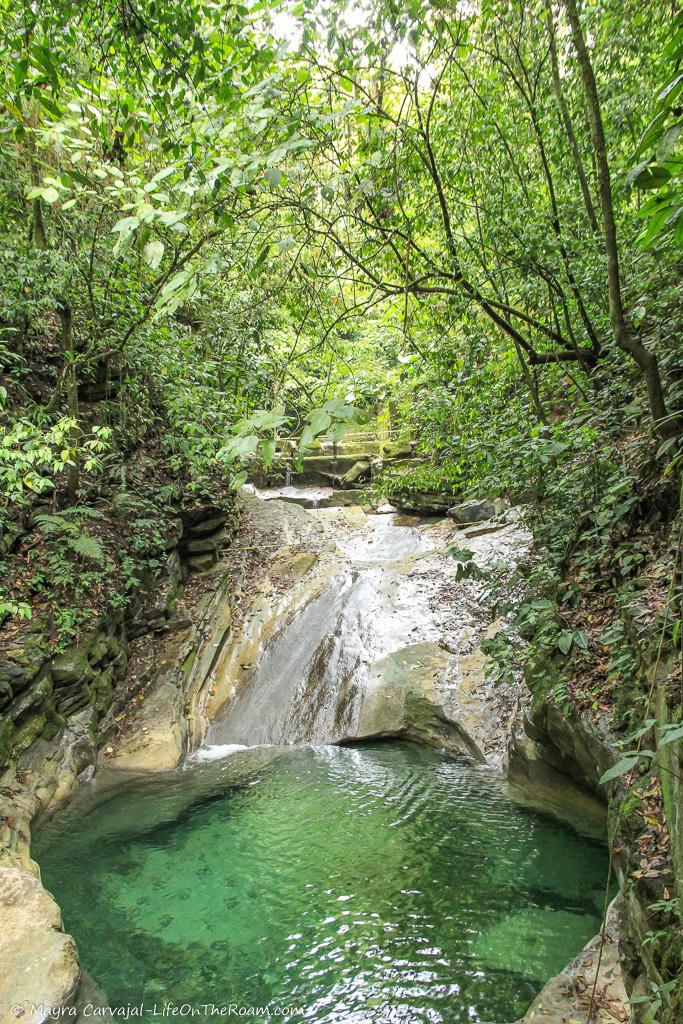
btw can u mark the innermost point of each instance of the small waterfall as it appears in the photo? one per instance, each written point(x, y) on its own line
point(288, 475)
point(310, 680)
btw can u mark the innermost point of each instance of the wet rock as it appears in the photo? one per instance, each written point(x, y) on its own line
point(472, 512)
point(401, 700)
point(91, 1001)
point(342, 499)
point(40, 964)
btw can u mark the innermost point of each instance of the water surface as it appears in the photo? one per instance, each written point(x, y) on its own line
point(368, 884)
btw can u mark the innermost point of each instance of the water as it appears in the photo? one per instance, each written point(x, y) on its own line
point(308, 682)
point(361, 884)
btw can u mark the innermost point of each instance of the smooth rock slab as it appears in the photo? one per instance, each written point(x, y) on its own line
point(39, 961)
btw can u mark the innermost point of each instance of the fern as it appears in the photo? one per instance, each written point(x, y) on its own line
point(60, 525)
point(52, 524)
point(87, 547)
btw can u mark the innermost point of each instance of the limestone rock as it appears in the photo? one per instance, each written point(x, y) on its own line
point(71, 666)
point(358, 472)
point(209, 525)
point(202, 545)
point(472, 512)
point(342, 499)
point(40, 964)
point(201, 562)
point(423, 503)
point(401, 701)
point(563, 1000)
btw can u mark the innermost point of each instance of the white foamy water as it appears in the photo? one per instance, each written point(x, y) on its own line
point(217, 751)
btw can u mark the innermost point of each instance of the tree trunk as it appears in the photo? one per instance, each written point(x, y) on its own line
point(646, 360)
point(569, 128)
point(71, 385)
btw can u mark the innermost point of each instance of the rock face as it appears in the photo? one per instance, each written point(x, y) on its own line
point(39, 961)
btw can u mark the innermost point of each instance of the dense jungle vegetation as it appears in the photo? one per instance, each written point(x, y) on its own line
point(222, 224)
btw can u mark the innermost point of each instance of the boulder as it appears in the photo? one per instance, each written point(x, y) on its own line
point(423, 503)
point(33, 696)
point(199, 563)
point(209, 525)
point(359, 471)
point(201, 545)
point(472, 512)
point(71, 666)
point(40, 966)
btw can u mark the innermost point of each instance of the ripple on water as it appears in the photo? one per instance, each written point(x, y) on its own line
point(375, 883)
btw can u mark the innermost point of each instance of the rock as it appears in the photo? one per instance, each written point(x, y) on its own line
point(33, 696)
point(563, 999)
point(401, 700)
point(423, 503)
point(342, 499)
point(12, 677)
point(202, 545)
point(482, 531)
point(70, 667)
point(359, 471)
point(98, 649)
point(199, 563)
point(472, 512)
point(208, 525)
point(39, 961)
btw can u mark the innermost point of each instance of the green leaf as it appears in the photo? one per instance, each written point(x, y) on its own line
point(460, 554)
point(670, 734)
point(273, 175)
point(268, 453)
point(245, 444)
point(319, 420)
point(565, 641)
point(338, 408)
point(622, 767)
point(238, 480)
point(88, 547)
point(126, 224)
point(177, 281)
point(667, 143)
point(261, 258)
point(268, 419)
point(50, 194)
